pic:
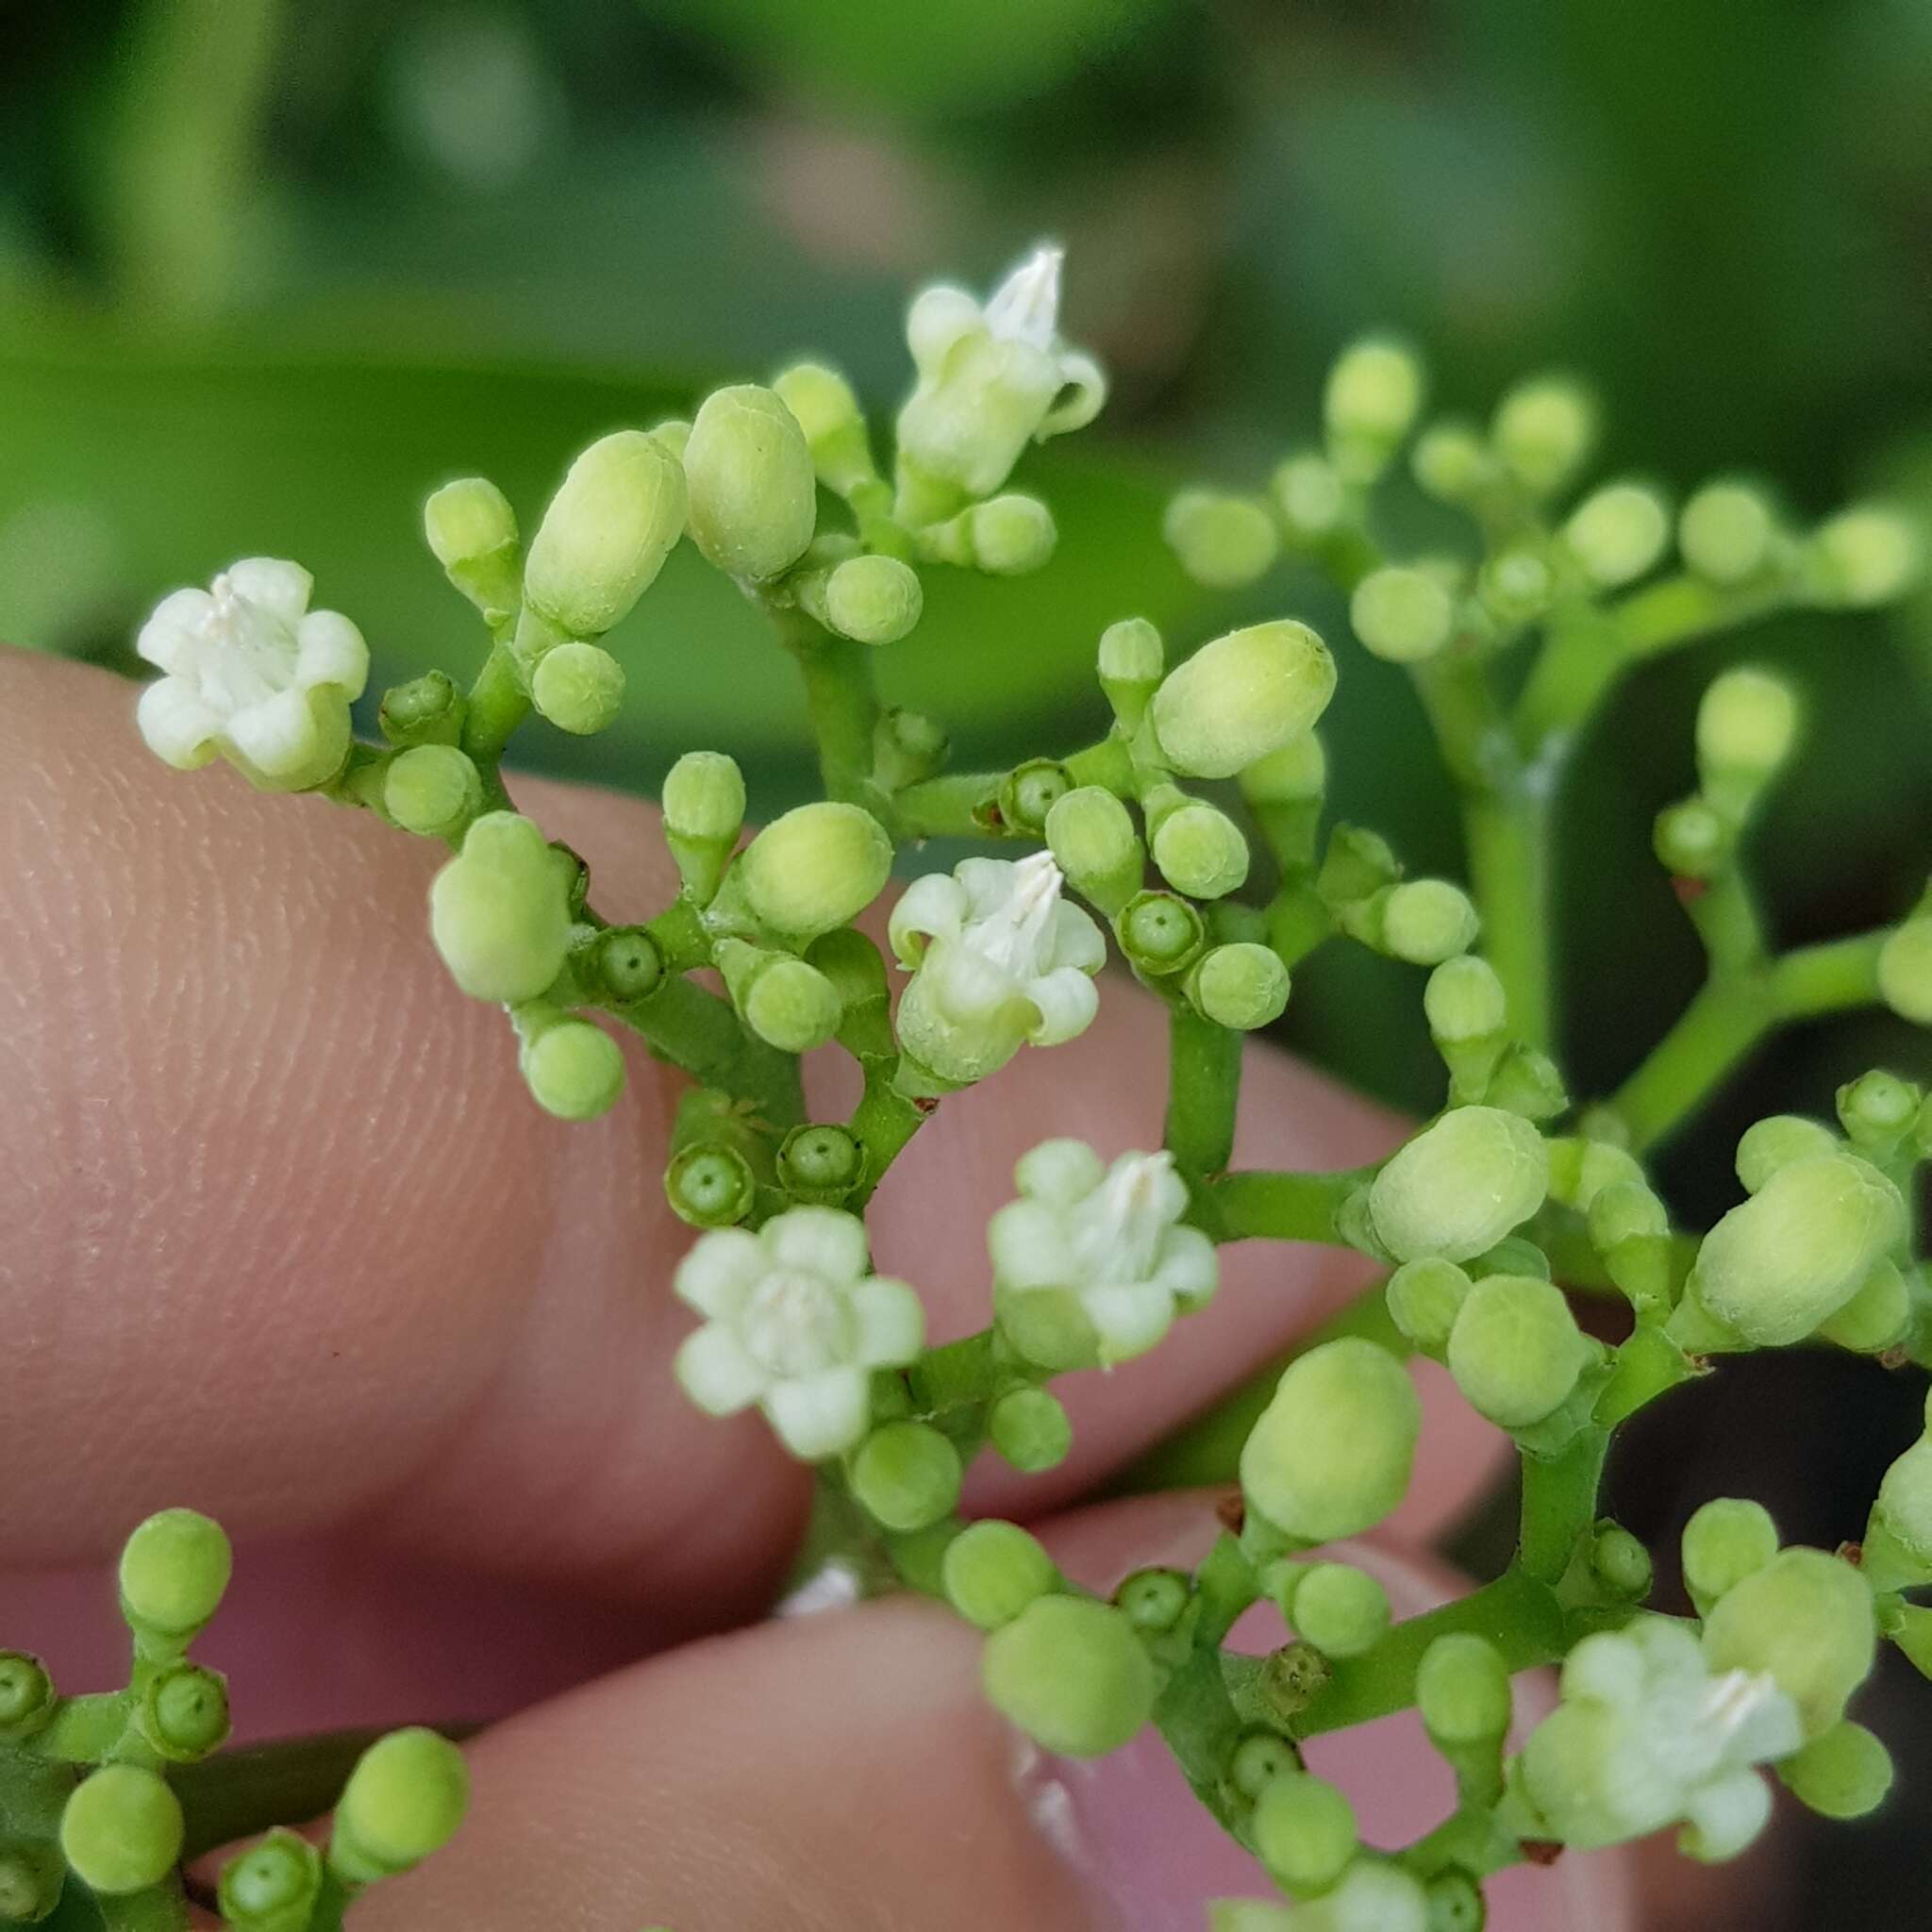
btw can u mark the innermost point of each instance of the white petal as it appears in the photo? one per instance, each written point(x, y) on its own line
point(329, 650)
point(1027, 1242)
point(1722, 1817)
point(1059, 1172)
point(988, 883)
point(891, 1322)
point(273, 583)
point(1025, 308)
point(932, 907)
point(280, 737)
point(822, 1415)
point(180, 729)
point(172, 628)
point(1087, 380)
point(1066, 1001)
point(1076, 940)
point(718, 1275)
point(1128, 1316)
point(1188, 1269)
point(825, 1240)
point(713, 1369)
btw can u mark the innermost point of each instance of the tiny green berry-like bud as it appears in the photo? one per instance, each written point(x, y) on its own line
point(432, 790)
point(1845, 1773)
point(1619, 1563)
point(1727, 532)
point(1223, 542)
point(1618, 532)
point(1877, 1110)
point(578, 686)
point(1241, 697)
point(1516, 1350)
point(1331, 1454)
point(1309, 496)
point(1543, 431)
point(174, 1570)
point(875, 600)
point(1011, 536)
point(1159, 933)
point(122, 1830)
point(1258, 1759)
point(1777, 1141)
point(787, 1002)
point(1450, 463)
point(1727, 1540)
point(828, 415)
point(1131, 661)
point(498, 911)
point(1372, 400)
point(1072, 1674)
point(1243, 985)
point(1425, 1298)
point(1427, 921)
point(704, 809)
point(1464, 1002)
point(1455, 1902)
point(1905, 971)
point(752, 486)
point(1093, 841)
point(1200, 851)
point(906, 1474)
point(1402, 615)
point(1692, 839)
point(27, 1695)
point(472, 532)
point(906, 746)
point(1029, 791)
point(572, 1068)
point(817, 867)
point(1153, 1599)
point(1515, 585)
point(1342, 1611)
point(1304, 1831)
point(424, 710)
point(1865, 556)
point(1746, 726)
point(1462, 1689)
point(1030, 1430)
point(629, 964)
point(184, 1712)
point(1898, 1538)
point(1460, 1184)
point(403, 1800)
point(272, 1887)
point(819, 1164)
point(710, 1185)
point(992, 1569)
point(1807, 1619)
point(605, 534)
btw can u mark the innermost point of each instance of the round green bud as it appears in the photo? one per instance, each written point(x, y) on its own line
point(1402, 615)
point(1373, 397)
point(829, 417)
point(1905, 971)
point(1258, 1759)
point(906, 1474)
point(1455, 1902)
point(1425, 1298)
point(821, 1163)
point(1777, 1141)
point(1618, 532)
point(704, 797)
point(173, 1570)
point(1464, 1001)
point(472, 532)
point(122, 1830)
point(1725, 1541)
point(31, 1880)
point(1131, 652)
point(1807, 1619)
point(1342, 1611)
point(1877, 1109)
point(1747, 723)
point(184, 1712)
point(1011, 535)
point(1449, 462)
point(1331, 1453)
point(1516, 1350)
point(498, 911)
point(1153, 1599)
point(1693, 841)
point(1029, 793)
point(753, 491)
point(1844, 1774)
point(1200, 851)
point(792, 1005)
point(1223, 542)
point(273, 1885)
point(1309, 495)
point(432, 790)
point(628, 963)
point(1295, 774)
point(1543, 431)
point(1072, 1674)
point(573, 1070)
point(1030, 1430)
point(28, 1697)
point(578, 686)
point(1727, 532)
point(1427, 921)
point(403, 1800)
point(1243, 697)
point(1865, 556)
point(1092, 840)
point(992, 1569)
point(1242, 985)
point(1460, 1184)
point(874, 599)
point(1462, 1689)
point(817, 867)
point(1515, 585)
point(710, 1185)
point(1304, 1831)
point(1619, 1563)
point(605, 534)
point(1159, 933)
point(1624, 1211)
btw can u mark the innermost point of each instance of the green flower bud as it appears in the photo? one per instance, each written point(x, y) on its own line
point(27, 1698)
point(1455, 1902)
point(753, 491)
point(1072, 1674)
point(1199, 850)
point(424, 710)
point(1010, 536)
point(1031, 791)
point(1905, 971)
point(821, 1164)
point(1258, 1759)
point(906, 1474)
point(704, 809)
point(403, 1800)
point(472, 532)
point(1581, 1168)
point(1223, 542)
point(184, 1712)
point(1898, 1538)
point(174, 1570)
point(1132, 661)
point(1626, 1211)
point(1864, 556)
point(1526, 1081)
point(1462, 1691)
point(432, 790)
point(828, 414)
point(627, 964)
point(1159, 933)
point(1304, 1832)
point(672, 435)
point(1844, 1774)
point(1342, 1611)
point(1093, 841)
point(1241, 697)
point(907, 748)
point(1516, 1350)
point(1372, 400)
point(1543, 432)
point(606, 535)
point(1516, 585)
point(787, 1002)
point(1291, 1678)
point(1425, 1298)
point(1515, 1255)
point(817, 867)
point(1746, 726)
point(498, 911)
point(1427, 921)
point(1460, 1184)
point(1450, 463)
point(572, 1068)
point(994, 1570)
point(1875, 1317)
point(1807, 1619)
point(1153, 1599)
point(32, 1877)
point(1309, 496)
point(1725, 1541)
point(1693, 841)
point(1331, 1453)
point(578, 686)
point(1030, 1430)
point(1357, 866)
point(875, 600)
point(272, 1887)
point(1619, 1563)
point(1242, 985)
point(710, 1185)
point(122, 1830)
point(1727, 532)
point(1618, 532)
point(1295, 774)
point(1777, 1141)
point(1877, 1109)
point(1401, 614)
point(1464, 1002)
point(1371, 1896)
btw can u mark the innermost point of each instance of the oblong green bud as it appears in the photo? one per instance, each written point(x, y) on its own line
point(1450, 462)
point(605, 534)
point(829, 418)
point(1310, 498)
point(1460, 1184)
point(992, 1569)
point(1747, 723)
point(1898, 1539)
point(1131, 658)
point(1031, 791)
point(1243, 697)
point(1865, 556)
point(1777, 1141)
point(27, 1698)
point(432, 790)
point(1200, 851)
point(572, 1068)
point(703, 801)
point(174, 1570)
point(1464, 1001)
point(1619, 1563)
point(906, 746)
point(578, 686)
point(875, 600)
point(817, 867)
point(1805, 1618)
point(472, 531)
point(498, 911)
point(1427, 921)
point(403, 1800)
point(1242, 985)
point(1223, 542)
point(1072, 1674)
point(1304, 1831)
point(753, 491)
point(1370, 401)
point(1692, 839)
point(1359, 865)
point(1618, 532)
point(273, 1885)
point(710, 1185)
point(1877, 1109)
point(1844, 1774)
point(1543, 431)
point(1462, 1689)
point(1727, 532)
point(906, 1474)
point(1725, 1541)
point(423, 710)
point(1905, 971)
point(1030, 1430)
point(1011, 535)
point(1626, 1211)
point(1093, 841)
point(1425, 1298)
point(1401, 614)
point(122, 1830)
point(1516, 1350)
point(184, 1712)
point(1342, 1611)
point(1331, 1455)
point(1159, 933)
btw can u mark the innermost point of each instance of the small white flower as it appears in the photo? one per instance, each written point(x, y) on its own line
point(1110, 1236)
point(796, 1324)
point(999, 959)
point(252, 674)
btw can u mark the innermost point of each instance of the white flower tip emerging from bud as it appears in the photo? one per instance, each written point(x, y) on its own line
point(1025, 308)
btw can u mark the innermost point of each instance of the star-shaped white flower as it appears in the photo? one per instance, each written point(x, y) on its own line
point(252, 674)
point(999, 959)
point(797, 1323)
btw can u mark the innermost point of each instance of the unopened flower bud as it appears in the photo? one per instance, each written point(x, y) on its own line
point(122, 1830)
point(1462, 1691)
point(817, 867)
point(906, 1474)
point(752, 487)
point(1031, 791)
point(1401, 614)
point(1844, 1774)
point(1516, 585)
point(1072, 1674)
point(1223, 542)
point(1200, 851)
point(1010, 536)
point(1898, 1538)
point(1258, 1759)
point(710, 1185)
point(629, 964)
point(1242, 985)
point(994, 1570)
point(1692, 839)
point(1746, 726)
point(1342, 1611)
point(499, 913)
point(1093, 841)
point(578, 686)
point(703, 809)
point(1527, 1081)
point(1618, 532)
point(27, 1698)
point(32, 1877)
point(1153, 1599)
point(828, 415)
point(1516, 1350)
point(1373, 397)
point(1618, 1562)
point(472, 532)
point(1805, 1618)
point(1131, 663)
point(1310, 498)
point(1543, 431)
point(1877, 1109)
point(671, 436)
point(1450, 462)
point(402, 1801)
point(1304, 1831)
point(174, 1570)
point(1460, 1184)
point(1777, 1141)
point(184, 1712)
point(907, 748)
point(1358, 865)
point(572, 1068)
point(432, 790)
point(605, 534)
point(1161, 934)
point(272, 1887)
point(875, 600)
point(1425, 1298)
point(1727, 532)
point(786, 1001)
point(1427, 921)
point(1877, 1316)
point(1464, 1002)
point(1727, 1540)
point(821, 1163)
point(1905, 970)
point(423, 710)
point(1243, 696)
point(1030, 1430)
point(1295, 774)
point(1865, 556)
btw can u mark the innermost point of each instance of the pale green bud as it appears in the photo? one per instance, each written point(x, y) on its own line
point(1309, 496)
point(122, 1830)
point(1516, 1350)
point(1223, 542)
point(403, 1800)
point(1373, 397)
point(1460, 1184)
point(907, 748)
point(787, 1002)
point(1427, 921)
point(1807, 1619)
point(1727, 532)
point(272, 1887)
point(1401, 614)
point(1342, 1611)
point(1200, 851)
point(821, 1163)
point(1241, 697)
point(1160, 934)
point(1692, 839)
point(1747, 725)
point(1304, 1831)
point(1865, 556)
point(710, 1185)
point(1905, 971)
point(828, 415)
point(1844, 1774)
point(1626, 1211)
point(1580, 1169)
point(174, 1571)
point(1777, 1141)
point(817, 867)
point(1358, 865)
point(32, 1876)
point(752, 486)
point(27, 1698)
point(1515, 585)
point(1010, 535)
point(424, 710)
point(1877, 1316)
point(472, 532)
point(1727, 1540)
point(184, 1712)
point(1527, 1081)
point(1072, 1674)
point(1619, 1563)
point(606, 535)
point(1031, 791)
point(499, 912)
point(1462, 1691)
point(1242, 985)
point(992, 1571)
point(1543, 431)
point(906, 1475)
point(875, 600)
point(1258, 1759)
point(432, 790)
point(1371, 1896)
point(1454, 1902)
point(1898, 1538)
point(704, 809)
point(1331, 1453)
point(1154, 1599)
point(1877, 1109)
point(572, 1068)
point(1618, 532)
point(671, 436)
point(578, 686)
point(1450, 463)
point(1093, 841)
point(1295, 774)
point(1464, 1001)
point(1131, 663)
point(1425, 1298)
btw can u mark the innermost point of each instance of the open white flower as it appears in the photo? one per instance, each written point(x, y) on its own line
point(1093, 1260)
point(796, 1324)
point(999, 959)
point(253, 675)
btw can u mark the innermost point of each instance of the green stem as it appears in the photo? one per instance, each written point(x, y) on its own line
point(237, 1794)
point(1204, 1084)
point(1281, 1206)
point(497, 705)
point(842, 705)
point(1508, 839)
point(698, 1031)
point(1727, 917)
point(1727, 1019)
point(1560, 1503)
point(1584, 653)
point(160, 1908)
point(947, 807)
point(1830, 978)
point(882, 1123)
